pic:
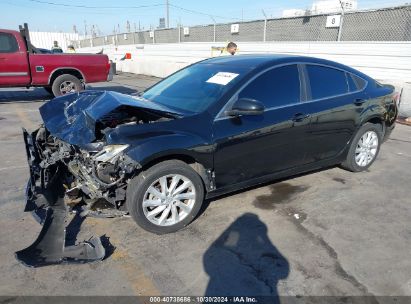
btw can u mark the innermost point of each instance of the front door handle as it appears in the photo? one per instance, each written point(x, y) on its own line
point(359, 102)
point(300, 117)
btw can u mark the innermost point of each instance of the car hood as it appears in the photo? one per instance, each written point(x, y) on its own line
point(73, 118)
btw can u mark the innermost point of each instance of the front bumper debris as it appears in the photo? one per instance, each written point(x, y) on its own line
point(45, 199)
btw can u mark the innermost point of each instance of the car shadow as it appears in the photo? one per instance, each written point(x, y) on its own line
point(208, 201)
point(244, 262)
point(22, 96)
point(41, 95)
point(73, 229)
point(119, 89)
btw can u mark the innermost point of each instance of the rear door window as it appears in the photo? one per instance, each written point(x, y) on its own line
point(355, 83)
point(8, 44)
point(275, 88)
point(325, 82)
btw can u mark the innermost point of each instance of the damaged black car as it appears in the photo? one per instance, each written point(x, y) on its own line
point(217, 126)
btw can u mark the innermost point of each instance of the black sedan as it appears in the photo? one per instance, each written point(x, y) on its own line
point(217, 126)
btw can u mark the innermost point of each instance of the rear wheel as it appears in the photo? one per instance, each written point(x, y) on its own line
point(166, 197)
point(65, 84)
point(364, 148)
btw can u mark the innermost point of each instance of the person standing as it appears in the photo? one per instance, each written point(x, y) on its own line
point(56, 48)
point(230, 49)
point(71, 49)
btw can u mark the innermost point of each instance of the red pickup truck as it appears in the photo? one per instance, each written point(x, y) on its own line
point(23, 65)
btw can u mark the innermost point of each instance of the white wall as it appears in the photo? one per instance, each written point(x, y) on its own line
point(386, 61)
point(45, 39)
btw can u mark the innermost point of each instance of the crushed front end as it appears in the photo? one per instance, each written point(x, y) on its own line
point(64, 177)
point(74, 168)
point(91, 173)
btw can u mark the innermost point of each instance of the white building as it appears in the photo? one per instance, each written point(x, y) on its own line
point(323, 7)
point(45, 39)
point(332, 6)
point(293, 13)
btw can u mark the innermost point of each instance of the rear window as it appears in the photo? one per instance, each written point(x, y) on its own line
point(326, 82)
point(358, 83)
point(8, 43)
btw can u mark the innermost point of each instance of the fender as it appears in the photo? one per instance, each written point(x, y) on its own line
point(65, 68)
point(173, 144)
point(374, 113)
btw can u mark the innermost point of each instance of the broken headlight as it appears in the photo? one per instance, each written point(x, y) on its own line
point(109, 152)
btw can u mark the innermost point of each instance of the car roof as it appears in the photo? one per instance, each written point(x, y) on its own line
point(256, 61)
point(249, 60)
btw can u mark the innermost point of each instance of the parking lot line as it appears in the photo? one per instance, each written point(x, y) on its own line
point(140, 283)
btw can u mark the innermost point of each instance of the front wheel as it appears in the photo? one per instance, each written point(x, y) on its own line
point(364, 148)
point(65, 84)
point(166, 197)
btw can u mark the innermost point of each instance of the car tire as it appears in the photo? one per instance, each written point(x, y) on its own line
point(158, 210)
point(65, 84)
point(364, 148)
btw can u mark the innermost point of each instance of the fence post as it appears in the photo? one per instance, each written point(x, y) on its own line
point(340, 28)
point(265, 26)
point(214, 28)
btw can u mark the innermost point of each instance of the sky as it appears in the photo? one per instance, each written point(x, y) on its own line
point(105, 15)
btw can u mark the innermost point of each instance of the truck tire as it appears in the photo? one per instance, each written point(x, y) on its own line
point(166, 197)
point(65, 84)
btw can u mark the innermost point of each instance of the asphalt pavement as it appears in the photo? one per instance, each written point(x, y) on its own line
point(327, 233)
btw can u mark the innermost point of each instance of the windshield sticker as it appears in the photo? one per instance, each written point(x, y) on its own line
point(222, 78)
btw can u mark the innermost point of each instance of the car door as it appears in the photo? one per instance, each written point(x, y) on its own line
point(249, 147)
point(14, 66)
point(336, 100)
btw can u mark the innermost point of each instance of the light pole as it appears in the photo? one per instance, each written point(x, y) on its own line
point(168, 13)
point(214, 28)
point(265, 26)
point(341, 21)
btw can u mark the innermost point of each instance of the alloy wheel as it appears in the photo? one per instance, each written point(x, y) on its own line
point(366, 149)
point(169, 199)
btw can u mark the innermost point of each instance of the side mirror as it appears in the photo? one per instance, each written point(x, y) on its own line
point(246, 106)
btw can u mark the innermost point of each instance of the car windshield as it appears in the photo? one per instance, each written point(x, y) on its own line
point(195, 88)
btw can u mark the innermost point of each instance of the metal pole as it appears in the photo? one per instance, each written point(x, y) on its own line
point(134, 33)
point(179, 32)
point(265, 26)
point(214, 28)
point(341, 22)
point(168, 13)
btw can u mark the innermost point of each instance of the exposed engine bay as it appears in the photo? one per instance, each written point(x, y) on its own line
point(73, 168)
point(94, 172)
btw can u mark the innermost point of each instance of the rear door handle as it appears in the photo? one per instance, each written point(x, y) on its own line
point(300, 117)
point(359, 102)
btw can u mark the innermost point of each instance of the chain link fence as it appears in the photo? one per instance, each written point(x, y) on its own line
point(388, 24)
